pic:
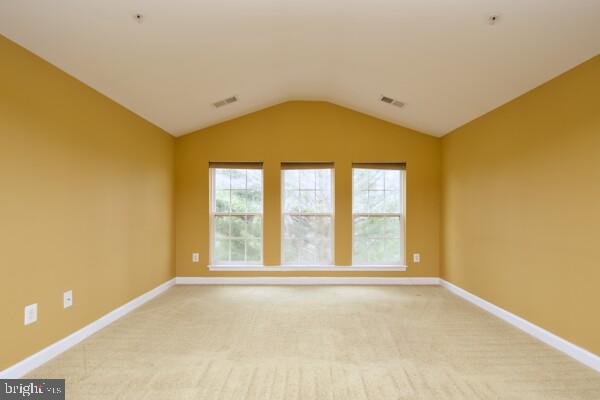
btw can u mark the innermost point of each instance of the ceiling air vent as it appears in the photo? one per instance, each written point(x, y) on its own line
point(226, 101)
point(391, 101)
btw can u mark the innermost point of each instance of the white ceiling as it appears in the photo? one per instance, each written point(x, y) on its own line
point(441, 57)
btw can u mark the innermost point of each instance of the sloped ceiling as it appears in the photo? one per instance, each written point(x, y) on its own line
point(442, 58)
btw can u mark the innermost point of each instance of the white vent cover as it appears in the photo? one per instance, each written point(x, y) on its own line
point(391, 101)
point(226, 101)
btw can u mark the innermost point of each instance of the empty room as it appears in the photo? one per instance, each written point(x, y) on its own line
point(300, 199)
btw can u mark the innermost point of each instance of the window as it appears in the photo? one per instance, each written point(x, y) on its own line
point(236, 213)
point(378, 214)
point(307, 214)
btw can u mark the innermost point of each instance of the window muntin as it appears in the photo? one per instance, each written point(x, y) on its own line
point(378, 215)
point(307, 220)
point(236, 215)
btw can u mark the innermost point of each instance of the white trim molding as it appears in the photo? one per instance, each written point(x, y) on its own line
point(583, 356)
point(30, 363)
point(304, 280)
point(307, 268)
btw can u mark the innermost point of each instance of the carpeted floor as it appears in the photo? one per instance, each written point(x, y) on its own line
point(316, 342)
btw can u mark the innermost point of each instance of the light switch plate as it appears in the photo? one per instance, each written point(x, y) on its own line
point(416, 258)
point(195, 257)
point(30, 314)
point(68, 299)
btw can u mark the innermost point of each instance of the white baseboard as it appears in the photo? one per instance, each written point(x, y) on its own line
point(30, 363)
point(308, 268)
point(303, 280)
point(570, 349)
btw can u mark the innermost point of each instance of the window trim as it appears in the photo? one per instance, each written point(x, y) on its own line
point(282, 215)
point(401, 215)
point(213, 214)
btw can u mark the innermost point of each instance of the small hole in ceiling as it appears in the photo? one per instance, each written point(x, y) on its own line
point(493, 19)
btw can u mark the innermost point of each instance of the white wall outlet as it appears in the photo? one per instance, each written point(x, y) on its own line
point(30, 314)
point(68, 299)
point(195, 257)
point(416, 258)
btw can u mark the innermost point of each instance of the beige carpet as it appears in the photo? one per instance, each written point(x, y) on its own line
point(369, 343)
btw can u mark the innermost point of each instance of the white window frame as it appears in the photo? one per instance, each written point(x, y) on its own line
point(213, 213)
point(330, 214)
point(401, 215)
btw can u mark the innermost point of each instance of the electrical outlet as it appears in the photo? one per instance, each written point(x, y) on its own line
point(30, 314)
point(195, 257)
point(416, 258)
point(68, 299)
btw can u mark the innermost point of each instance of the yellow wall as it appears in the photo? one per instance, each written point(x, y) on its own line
point(307, 131)
point(521, 217)
point(85, 203)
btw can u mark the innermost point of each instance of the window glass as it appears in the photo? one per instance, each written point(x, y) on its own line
point(307, 216)
point(378, 216)
point(236, 212)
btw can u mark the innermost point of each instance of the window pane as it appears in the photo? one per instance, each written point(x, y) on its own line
point(377, 240)
point(253, 201)
point(307, 191)
point(307, 201)
point(254, 177)
point(238, 178)
point(323, 201)
point(376, 201)
point(292, 201)
point(295, 228)
point(376, 227)
point(238, 250)
point(222, 226)
point(222, 201)
point(392, 202)
point(324, 228)
point(308, 179)
point(360, 179)
point(376, 179)
point(254, 227)
point(308, 252)
point(360, 203)
point(360, 251)
point(292, 179)
point(238, 200)
point(238, 226)
point(392, 227)
point(290, 252)
point(392, 251)
point(253, 250)
point(392, 180)
point(222, 250)
point(360, 226)
point(310, 236)
point(376, 250)
point(222, 179)
point(324, 180)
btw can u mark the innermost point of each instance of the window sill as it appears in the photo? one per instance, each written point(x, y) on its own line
point(307, 268)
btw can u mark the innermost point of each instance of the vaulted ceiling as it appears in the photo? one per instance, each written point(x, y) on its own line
point(443, 59)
